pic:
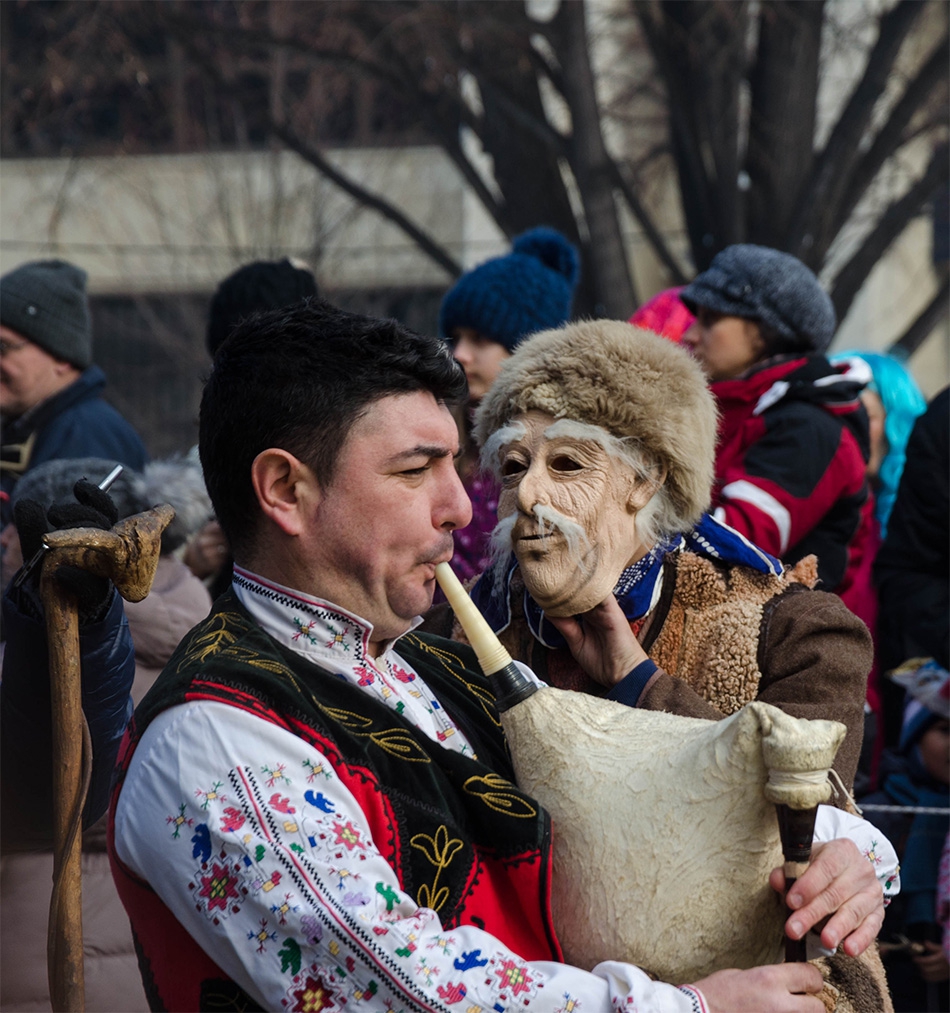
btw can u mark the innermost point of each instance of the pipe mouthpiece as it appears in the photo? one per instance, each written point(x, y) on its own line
point(508, 683)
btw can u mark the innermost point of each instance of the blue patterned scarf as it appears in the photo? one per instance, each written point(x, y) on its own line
point(638, 586)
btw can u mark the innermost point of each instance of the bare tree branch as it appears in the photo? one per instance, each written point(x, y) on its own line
point(833, 166)
point(594, 170)
point(699, 50)
point(892, 222)
point(784, 91)
point(936, 310)
point(365, 197)
point(889, 138)
point(677, 275)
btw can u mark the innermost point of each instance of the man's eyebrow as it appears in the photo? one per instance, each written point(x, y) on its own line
point(421, 450)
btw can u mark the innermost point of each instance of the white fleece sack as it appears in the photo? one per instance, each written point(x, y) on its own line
point(663, 837)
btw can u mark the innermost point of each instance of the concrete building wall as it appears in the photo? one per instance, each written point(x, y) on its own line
point(180, 223)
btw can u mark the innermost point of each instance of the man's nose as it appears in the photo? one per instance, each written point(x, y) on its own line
point(455, 508)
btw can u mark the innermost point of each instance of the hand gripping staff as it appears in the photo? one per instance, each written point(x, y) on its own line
point(127, 555)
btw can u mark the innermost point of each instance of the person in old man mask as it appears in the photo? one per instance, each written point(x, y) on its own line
point(602, 436)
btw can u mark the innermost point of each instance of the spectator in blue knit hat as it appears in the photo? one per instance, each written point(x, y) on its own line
point(50, 389)
point(486, 314)
point(793, 438)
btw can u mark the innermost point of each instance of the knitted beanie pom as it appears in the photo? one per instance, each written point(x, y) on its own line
point(552, 249)
point(527, 290)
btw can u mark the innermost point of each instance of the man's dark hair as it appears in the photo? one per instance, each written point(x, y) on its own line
point(299, 378)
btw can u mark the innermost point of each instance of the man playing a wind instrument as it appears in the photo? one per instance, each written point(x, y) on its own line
point(315, 807)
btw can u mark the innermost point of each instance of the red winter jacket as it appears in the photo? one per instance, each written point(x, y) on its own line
point(790, 462)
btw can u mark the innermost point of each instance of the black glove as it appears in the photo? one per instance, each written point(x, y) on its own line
point(92, 508)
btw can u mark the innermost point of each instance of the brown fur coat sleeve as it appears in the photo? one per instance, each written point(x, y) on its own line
point(814, 656)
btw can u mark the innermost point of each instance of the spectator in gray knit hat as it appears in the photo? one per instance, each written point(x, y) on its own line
point(50, 389)
point(793, 435)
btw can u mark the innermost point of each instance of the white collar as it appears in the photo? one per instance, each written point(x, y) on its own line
point(312, 627)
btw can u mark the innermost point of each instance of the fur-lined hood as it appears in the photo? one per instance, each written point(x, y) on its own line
point(630, 382)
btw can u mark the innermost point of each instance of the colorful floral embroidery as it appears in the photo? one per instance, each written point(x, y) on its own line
point(452, 992)
point(337, 639)
point(218, 888)
point(305, 630)
point(211, 795)
point(347, 835)
point(284, 908)
point(179, 820)
point(313, 997)
point(314, 769)
point(275, 774)
point(514, 975)
point(262, 936)
point(232, 820)
point(366, 676)
point(871, 855)
point(401, 674)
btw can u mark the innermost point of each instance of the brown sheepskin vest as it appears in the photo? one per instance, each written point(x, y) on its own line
point(708, 633)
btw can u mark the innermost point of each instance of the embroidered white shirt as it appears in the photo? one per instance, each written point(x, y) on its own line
point(264, 856)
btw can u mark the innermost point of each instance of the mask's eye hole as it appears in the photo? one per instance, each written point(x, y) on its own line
point(564, 463)
point(512, 468)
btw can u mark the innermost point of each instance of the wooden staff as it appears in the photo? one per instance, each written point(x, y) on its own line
point(127, 555)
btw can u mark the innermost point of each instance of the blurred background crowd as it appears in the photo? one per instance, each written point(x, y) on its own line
point(767, 184)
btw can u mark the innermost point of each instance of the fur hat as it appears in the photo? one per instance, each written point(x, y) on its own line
point(510, 297)
point(253, 288)
point(634, 384)
point(758, 283)
point(45, 301)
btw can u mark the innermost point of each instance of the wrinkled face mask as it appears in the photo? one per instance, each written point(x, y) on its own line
point(569, 503)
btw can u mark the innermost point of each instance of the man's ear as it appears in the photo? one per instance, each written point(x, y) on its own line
point(642, 490)
point(285, 487)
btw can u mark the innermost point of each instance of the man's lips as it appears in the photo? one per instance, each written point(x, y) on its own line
point(439, 556)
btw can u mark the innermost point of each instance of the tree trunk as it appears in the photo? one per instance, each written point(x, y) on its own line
point(593, 169)
point(784, 91)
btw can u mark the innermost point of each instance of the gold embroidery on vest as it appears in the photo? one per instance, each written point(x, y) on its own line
point(500, 795)
point(439, 851)
point(398, 742)
point(482, 694)
point(220, 631)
